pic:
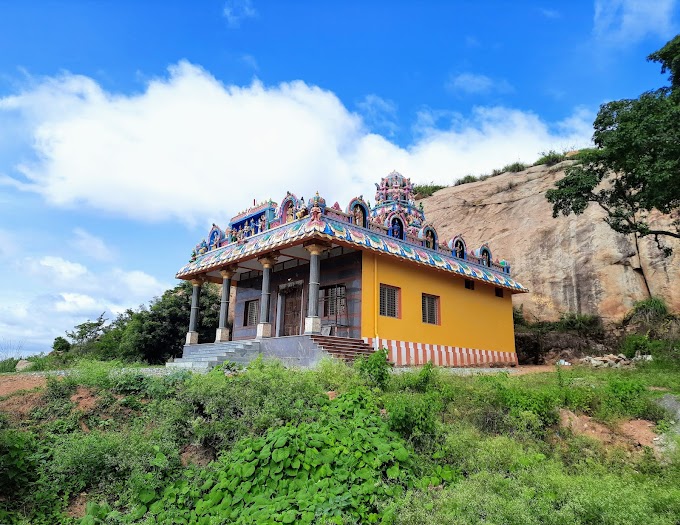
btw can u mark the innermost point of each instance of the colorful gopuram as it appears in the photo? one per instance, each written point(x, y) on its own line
point(379, 273)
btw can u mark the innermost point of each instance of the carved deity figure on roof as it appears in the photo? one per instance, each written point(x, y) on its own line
point(290, 213)
point(429, 239)
point(303, 212)
point(396, 228)
point(359, 215)
point(263, 223)
point(232, 235)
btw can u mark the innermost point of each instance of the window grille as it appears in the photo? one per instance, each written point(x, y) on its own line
point(252, 313)
point(499, 292)
point(334, 300)
point(469, 284)
point(430, 309)
point(389, 301)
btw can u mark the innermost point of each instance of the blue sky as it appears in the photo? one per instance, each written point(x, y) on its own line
point(127, 128)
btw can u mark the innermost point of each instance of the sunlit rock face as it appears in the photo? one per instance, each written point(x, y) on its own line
point(570, 264)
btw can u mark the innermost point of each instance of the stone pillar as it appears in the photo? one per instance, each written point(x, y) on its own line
point(264, 326)
point(192, 334)
point(312, 321)
point(222, 330)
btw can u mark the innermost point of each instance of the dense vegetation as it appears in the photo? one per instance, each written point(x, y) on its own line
point(420, 447)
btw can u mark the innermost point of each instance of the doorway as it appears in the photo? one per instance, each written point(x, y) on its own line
point(292, 311)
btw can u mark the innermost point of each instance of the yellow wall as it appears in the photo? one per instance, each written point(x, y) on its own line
point(468, 318)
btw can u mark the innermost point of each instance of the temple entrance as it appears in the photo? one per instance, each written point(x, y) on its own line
point(292, 311)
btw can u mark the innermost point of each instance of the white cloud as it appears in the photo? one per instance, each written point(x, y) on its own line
point(379, 114)
point(75, 303)
point(235, 11)
point(474, 83)
point(66, 293)
point(629, 21)
point(91, 245)
point(56, 268)
point(193, 149)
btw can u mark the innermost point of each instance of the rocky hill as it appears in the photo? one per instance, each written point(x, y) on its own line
point(570, 264)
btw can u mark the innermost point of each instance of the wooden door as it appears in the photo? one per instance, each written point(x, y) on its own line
point(292, 310)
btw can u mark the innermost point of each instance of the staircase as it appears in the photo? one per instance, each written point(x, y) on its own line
point(343, 347)
point(203, 357)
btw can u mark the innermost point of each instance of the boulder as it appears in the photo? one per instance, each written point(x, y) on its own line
point(570, 264)
point(23, 364)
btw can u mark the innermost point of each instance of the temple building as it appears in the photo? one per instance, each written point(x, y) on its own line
point(312, 279)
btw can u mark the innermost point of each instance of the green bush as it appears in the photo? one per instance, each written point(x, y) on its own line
point(550, 158)
point(414, 416)
point(585, 324)
point(17, 461)
point(634, 343)
point(227, 409)
point(515, 167)
point(8, 365)
point(466, 180)
point(427, 190)
point(375, 368)
point(651, 310)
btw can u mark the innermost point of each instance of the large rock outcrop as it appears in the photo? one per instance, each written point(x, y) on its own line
point(570, 264)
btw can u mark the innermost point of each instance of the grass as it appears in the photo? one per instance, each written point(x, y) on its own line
point(423, 446)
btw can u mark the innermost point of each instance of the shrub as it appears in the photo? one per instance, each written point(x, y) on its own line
point(8, 365)
point(585, 324)
point(466, 180)
point(634, 343)
point(414, 416)
point(375, 368)
point(550, 158)
point(427, 190)
point(653, 309)
point(515, 167)
point(267, 395)
point(518, 316)
point(17, 465)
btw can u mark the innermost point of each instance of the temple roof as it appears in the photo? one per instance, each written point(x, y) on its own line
point(341, 233)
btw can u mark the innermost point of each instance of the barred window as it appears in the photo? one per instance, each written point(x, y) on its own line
point(389, 301)
point(252, 313)
point(469, 284)
point(333, 299)
point(430, 309)
point(499, 292)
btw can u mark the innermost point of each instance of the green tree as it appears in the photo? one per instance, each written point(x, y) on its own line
point(157, 333)
point(635, 167)
point(84, 336)
point(61, 345)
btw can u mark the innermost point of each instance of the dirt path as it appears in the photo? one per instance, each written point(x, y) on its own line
point(15, 382)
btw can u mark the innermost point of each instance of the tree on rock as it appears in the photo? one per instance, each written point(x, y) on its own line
point(635, 168)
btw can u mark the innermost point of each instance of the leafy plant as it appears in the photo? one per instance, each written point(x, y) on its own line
point(338, 467)
point(375, 368)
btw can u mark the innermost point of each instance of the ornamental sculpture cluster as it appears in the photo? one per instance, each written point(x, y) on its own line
point(394, 214)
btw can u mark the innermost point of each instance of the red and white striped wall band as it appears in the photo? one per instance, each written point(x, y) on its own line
point(408, 353)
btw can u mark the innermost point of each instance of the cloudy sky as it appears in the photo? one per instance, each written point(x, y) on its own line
point(127, 128)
